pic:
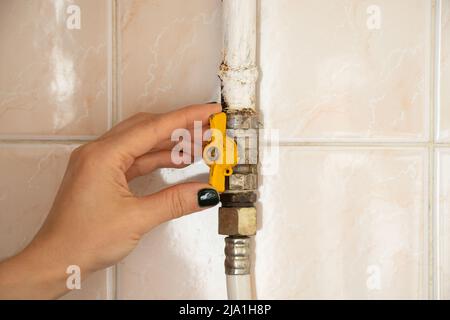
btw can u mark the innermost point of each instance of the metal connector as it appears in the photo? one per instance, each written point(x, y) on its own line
point(237, 221)
point(237, 255)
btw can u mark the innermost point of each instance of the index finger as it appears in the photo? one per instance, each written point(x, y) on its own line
point(140, 138)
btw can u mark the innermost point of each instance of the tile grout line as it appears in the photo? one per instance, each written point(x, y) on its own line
point(345, 144)
point(434, 216)
point(430, 225)
point(357, 144)
point(111, 272)
point(435, 227)
point(437, 66)
point(44, 142)
point(110, 66)
point(47, 139)
point(115, 62)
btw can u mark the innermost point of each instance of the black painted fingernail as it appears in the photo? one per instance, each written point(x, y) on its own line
point(212, 102)
point(208, 197)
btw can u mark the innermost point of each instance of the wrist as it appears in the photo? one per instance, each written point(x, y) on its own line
point(33, 274)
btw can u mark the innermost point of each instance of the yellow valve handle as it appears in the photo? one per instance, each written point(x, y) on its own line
point(220, 154)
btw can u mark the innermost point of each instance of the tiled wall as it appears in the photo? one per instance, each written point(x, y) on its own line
point(54, 80)
point(55, 89)
point(358, 90)
point(336, 79)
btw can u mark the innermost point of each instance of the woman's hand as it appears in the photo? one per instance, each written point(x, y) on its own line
point(95, 220)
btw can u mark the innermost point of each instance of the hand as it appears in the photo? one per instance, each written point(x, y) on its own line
point(95, 220)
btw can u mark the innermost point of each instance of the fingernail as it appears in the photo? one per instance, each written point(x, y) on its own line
point(207, 197)
point(212, 102)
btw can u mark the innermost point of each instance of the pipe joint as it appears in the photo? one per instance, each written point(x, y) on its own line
point(237, 255)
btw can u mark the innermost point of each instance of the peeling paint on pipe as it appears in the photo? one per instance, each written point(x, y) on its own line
point(238, 71)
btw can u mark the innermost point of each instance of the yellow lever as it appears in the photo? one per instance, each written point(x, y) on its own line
point(220, 154)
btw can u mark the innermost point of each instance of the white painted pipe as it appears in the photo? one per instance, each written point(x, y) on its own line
point(238, 71)
point(239, 287)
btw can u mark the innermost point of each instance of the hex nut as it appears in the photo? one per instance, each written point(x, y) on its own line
point(237, 221)
point(245, 168)
point(239, 197)
point(243, 182)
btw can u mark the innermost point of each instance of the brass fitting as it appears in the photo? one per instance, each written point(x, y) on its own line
point(237, 182)
point(240, 181)
point(237, 216)
point(237, 221)
point(238, 198)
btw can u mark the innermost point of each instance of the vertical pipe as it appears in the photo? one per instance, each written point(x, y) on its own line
point(239, 287)
point(238, 73)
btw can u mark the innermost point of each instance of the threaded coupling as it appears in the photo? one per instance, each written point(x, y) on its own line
point(237, 255)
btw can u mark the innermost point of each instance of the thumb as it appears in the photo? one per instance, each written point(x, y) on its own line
point(177, 201)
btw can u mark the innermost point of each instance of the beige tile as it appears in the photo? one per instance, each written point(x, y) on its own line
point(442, 206)
point(344, 223)
point(30, 176)
point(181, 259)
point(326, 75)
point(170, 53)
point(444, 112)
point(54, 79)
point(348, 224)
